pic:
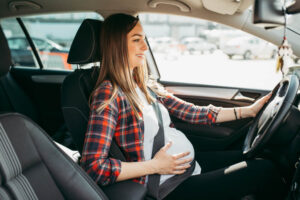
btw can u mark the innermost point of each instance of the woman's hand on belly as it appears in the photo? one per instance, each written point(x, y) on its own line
point(164, 163)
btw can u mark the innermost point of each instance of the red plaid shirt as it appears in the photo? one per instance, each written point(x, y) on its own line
point(118, 121)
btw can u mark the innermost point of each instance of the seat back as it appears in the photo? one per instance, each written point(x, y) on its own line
point(78, 86)
point(76, 90)
point(12, 96)
point(32, 167)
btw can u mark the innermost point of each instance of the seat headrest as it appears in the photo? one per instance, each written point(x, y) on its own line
point(5, 58)
point(85, 47)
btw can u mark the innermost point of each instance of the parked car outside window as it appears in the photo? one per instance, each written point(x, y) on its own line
point(198, 45)
point(52, 54)
point(249, 48)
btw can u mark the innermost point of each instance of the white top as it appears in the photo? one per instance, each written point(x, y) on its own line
point(179, 141)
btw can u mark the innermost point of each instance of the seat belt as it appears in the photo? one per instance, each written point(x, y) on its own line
point(155, 191)
point(158, 143)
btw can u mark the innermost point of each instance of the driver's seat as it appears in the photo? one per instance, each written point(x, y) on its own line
point(76, 90)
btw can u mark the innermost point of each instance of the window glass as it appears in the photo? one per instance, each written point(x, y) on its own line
point(190, 50)
point(52, 35)
point(20, 49)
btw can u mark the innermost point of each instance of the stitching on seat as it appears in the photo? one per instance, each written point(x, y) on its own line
point(70, 161)
point(11, 166)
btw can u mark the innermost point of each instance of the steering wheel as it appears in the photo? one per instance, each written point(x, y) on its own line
point(270, 116)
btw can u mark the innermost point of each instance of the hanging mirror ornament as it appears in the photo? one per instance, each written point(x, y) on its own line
point(285, 52)
point(284, 60)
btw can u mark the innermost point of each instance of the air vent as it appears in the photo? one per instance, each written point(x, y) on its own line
point(16, 6)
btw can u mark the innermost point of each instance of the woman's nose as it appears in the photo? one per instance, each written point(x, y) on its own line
point(144, 46)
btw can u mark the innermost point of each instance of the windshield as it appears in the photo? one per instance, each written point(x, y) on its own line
point(293, 23)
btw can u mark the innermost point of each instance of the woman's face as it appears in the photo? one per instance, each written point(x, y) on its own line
point(136, 46)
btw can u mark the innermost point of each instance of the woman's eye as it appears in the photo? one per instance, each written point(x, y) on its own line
point(136, 40)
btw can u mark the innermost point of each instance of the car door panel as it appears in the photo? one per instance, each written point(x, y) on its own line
point(44, 88)
point(220, 136)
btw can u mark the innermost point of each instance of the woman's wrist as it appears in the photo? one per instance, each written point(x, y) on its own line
point(151, 166)
point(246, 112)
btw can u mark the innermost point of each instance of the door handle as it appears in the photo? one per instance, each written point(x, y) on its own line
point(240, 97)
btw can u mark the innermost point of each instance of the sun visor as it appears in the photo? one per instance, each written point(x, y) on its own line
point(225, 7)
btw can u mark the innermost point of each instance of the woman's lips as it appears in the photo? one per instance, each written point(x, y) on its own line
point(140, 55)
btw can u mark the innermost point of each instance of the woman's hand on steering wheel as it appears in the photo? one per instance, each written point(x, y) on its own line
point(256, 107)
point(164, 163)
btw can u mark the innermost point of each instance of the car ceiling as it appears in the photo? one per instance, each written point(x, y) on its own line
point(234, 13)
point(16, 7)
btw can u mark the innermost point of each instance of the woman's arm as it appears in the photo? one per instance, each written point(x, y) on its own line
point(209, 114)
point(162, 163)
point(189, 112)
point(100, 131)
point(230, 114)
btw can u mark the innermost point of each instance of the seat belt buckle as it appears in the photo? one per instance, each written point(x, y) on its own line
point(294, 186)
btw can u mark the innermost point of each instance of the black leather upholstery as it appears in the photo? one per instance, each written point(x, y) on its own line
point(32, 167)
point(5, 58)
point(85, 47)
point(14, 99)
point(12, 96)
point(76, 90)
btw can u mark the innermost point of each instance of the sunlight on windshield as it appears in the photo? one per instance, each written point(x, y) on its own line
point(190, 50)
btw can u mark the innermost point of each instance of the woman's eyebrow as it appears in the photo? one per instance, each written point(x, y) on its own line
point(137, 34)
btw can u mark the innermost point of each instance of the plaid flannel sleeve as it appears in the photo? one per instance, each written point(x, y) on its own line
point(100, 132)
point(189, 112)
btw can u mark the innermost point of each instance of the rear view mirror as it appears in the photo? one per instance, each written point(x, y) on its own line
point(294, 8)
point(268, 13)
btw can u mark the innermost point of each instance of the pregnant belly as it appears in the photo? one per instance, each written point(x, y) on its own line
point(180, 143)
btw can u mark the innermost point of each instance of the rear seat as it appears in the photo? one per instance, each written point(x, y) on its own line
point(12, 96)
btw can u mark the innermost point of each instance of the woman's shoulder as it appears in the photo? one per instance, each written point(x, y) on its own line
point(105, 90)
point(105, 86)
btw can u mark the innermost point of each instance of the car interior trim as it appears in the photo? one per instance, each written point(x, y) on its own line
point(182, 6)
point(16, 6)
point(48, 78)
point(221, 93)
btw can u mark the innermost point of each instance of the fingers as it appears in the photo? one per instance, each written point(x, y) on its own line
point(167, 146)
point(181, 155)
point(182, 167)
point(179, 172)
point(183, 161)
point(268, 96)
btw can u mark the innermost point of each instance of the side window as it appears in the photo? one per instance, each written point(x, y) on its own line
point(190, 50)
point(21, 53)
point(52, 36)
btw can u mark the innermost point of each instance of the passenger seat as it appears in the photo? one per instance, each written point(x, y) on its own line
point(32, 167)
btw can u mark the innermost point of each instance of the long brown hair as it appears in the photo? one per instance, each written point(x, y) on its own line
point(115, 63)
